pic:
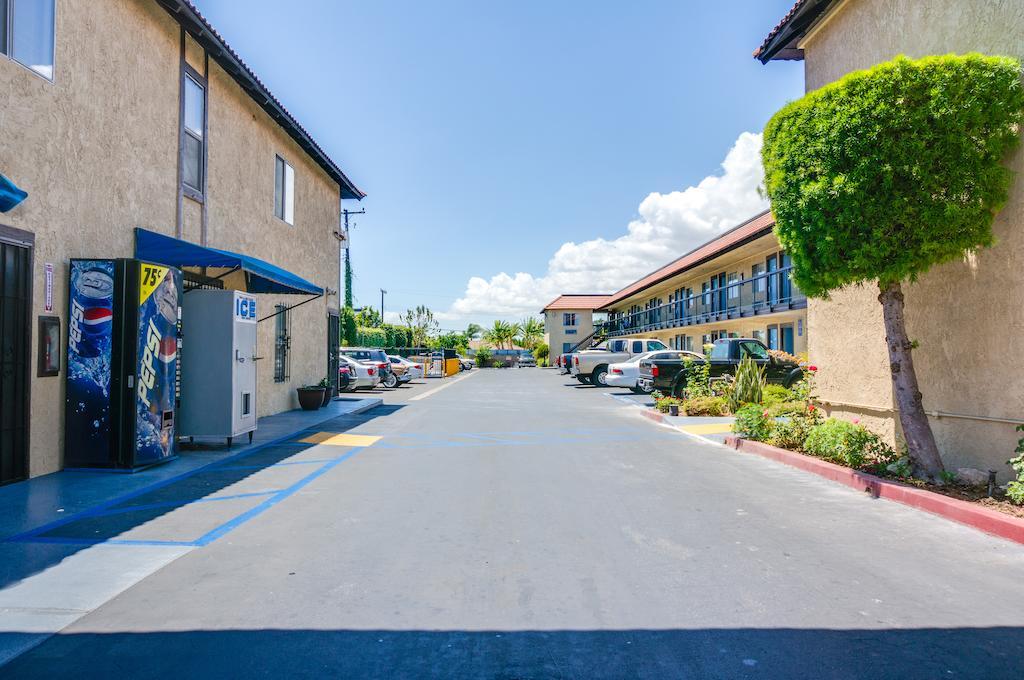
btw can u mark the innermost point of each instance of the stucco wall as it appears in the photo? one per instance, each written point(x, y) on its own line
point(555, 331)
point(966, 316)
point(97, 151)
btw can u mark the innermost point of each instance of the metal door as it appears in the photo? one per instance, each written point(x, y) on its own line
point(15, 270)
point(333, 343)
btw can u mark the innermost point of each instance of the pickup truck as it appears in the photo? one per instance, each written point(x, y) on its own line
point(669, 376)
point(591, 366)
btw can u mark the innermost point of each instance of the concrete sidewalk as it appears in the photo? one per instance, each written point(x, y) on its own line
point(73, 540)
point(713, 429)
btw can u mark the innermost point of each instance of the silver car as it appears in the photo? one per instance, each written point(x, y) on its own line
point(526, 360)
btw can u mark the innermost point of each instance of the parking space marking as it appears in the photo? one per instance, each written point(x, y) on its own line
point(335, 439)
point(707, 428)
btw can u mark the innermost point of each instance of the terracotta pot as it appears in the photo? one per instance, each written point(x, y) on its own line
point(310, 398)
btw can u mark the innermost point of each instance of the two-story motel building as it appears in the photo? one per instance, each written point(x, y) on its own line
point(736, 285)
point(569, 320)
point(119, 114)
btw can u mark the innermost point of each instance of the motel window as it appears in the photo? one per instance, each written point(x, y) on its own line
point(26, 33)
point(734, 288)
point(282, 342)
point(569, 319)
point(284, 191)
point(193, 125)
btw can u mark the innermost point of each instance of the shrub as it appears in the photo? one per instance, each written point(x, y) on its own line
point(482, 359)
point(749, 385)
point(663, 403)
point(791, 432)
point(371, 337)
point(706, 406)
point(753, 422)
point(698, 378)
point(786, 408)
point(775, 394)
point(849, 444)
point(1015, 489)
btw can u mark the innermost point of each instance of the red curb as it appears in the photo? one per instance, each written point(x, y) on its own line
point(653, 415)
point(990, 521)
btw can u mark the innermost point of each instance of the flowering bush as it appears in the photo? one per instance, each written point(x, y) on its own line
point(753, 422)
point(792, 432)
point(804, 389)
point(664, 403)
point(706, 406)
point(849, 444)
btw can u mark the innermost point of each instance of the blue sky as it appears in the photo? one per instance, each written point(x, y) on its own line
point(489, 134)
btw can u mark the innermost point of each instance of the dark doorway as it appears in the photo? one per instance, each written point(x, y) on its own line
point(15, 337)
point(333, 342)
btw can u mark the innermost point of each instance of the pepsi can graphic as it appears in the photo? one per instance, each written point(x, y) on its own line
point(88, 414)
point(92, 308)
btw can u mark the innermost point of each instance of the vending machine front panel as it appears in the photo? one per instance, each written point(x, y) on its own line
point(156, 368)
point(89, 432)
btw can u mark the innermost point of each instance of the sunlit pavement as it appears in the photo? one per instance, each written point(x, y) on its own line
point(516, 525)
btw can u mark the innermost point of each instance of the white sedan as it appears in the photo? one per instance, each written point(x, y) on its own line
point(626, 373)
point(413, 370)
point(355, 375)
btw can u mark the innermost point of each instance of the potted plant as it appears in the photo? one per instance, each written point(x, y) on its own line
point(328, 392)
point(311, 397)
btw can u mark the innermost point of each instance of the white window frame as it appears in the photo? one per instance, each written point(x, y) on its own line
point(8, 29)
point(285, 184)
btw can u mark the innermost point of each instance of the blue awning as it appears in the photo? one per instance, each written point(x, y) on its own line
point(259, 276)
point(10, 195)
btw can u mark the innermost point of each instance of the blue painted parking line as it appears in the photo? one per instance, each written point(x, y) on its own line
point(182, 503)
point(106, 505)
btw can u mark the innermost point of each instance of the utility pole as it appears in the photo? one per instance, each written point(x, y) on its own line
point(382, 293)
point(348, 261)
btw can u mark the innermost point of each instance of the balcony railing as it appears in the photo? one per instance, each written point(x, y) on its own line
point(763, 294)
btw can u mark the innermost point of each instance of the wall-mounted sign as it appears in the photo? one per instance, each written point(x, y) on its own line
point(49, 286)
point(49, 346)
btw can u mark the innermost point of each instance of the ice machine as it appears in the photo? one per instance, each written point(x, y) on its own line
point(218, 369)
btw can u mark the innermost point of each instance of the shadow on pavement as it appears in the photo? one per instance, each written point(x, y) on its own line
point(694, 653)
point(35, 550)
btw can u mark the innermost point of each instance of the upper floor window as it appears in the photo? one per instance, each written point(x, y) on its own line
point(569, 319)
point(193, 125)
point(284, 191)
point(26, 33)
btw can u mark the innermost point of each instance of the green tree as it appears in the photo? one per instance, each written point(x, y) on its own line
point(348, 326)
point(531, 333)
point(886, 173)
point(472, 331)
point(422, 323)
point(368, 317)
point(502, 333)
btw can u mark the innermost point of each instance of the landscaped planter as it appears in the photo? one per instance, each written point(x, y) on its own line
point(310, 398)
point(971, 514)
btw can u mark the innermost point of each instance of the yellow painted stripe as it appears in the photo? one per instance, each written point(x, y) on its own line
point(334, 439)
point(708, 428)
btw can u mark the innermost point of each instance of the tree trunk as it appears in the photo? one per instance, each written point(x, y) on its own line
point(916, 430)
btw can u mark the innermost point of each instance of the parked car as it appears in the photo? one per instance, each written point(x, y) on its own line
point(627, 373)
point(356, 375)
point(591, 366)
point(376, 357)
point(526, 360)
point(464, 363)
point(413, 370)
point(669, 375)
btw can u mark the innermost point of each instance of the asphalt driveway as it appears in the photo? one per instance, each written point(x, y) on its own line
point(510, 524)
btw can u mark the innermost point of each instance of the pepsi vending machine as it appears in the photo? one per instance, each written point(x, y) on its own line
point(122, 362)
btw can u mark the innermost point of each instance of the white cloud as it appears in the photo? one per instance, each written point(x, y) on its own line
point(668, 226)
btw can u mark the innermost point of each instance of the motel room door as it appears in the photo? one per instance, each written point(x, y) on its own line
point(15, 297)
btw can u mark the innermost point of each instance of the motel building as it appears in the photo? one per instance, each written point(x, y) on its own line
point(569, 320)
point(736, 285)
point(146, 167)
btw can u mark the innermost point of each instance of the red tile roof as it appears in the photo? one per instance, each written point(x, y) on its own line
point(752, 228)
point(577, 301)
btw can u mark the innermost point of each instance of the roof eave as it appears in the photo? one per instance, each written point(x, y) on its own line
point(186, 14)
point(781, 43)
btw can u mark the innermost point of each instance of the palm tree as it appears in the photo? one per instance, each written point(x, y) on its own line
point(501, 333)
point(531, 332)
point(472, 330)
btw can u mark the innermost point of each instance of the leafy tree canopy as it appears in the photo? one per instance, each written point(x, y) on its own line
point(889, 171)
